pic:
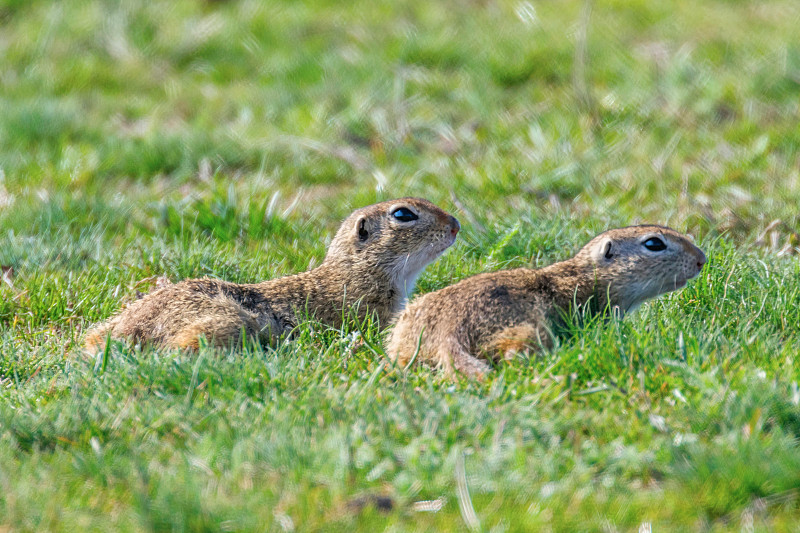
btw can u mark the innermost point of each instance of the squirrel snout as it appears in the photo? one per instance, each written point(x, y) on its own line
point(701, 259)
point(455, 226)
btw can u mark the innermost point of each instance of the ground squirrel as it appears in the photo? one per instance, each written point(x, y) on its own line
point(373, 261)
point(497, 314)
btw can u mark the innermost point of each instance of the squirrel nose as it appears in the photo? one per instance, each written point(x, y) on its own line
point(701, 260)
point(454, 226)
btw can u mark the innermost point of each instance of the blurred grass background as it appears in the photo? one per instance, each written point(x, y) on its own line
point(228, 138)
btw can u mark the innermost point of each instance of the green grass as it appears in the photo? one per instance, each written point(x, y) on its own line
point(228, 138)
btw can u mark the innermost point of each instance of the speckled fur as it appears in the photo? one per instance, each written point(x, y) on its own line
point(498, 314)
point(373, 261)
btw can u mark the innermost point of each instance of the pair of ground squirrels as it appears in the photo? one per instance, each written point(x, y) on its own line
point(371, 265)
point(492, 316)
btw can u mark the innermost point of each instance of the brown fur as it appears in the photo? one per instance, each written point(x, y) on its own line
point(373, 261)
point(498, 314)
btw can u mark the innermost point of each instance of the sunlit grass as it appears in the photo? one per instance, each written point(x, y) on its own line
point(228, 139)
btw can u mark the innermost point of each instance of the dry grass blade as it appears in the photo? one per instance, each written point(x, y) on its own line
point(464, 500)
point(7, 274)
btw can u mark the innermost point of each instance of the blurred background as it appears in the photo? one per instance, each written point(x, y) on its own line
point(215, 117)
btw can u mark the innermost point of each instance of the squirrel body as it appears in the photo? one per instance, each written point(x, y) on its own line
point(372, 264)
point(493, 316)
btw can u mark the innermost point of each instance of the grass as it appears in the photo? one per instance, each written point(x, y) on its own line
point(228, 138)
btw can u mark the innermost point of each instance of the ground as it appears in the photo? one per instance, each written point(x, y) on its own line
point(187, 138)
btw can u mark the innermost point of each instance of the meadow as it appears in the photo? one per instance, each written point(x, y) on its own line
point(188, 138)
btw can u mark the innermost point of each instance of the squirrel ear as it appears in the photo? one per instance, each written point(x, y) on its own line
point(604, 251)
point(361, 229)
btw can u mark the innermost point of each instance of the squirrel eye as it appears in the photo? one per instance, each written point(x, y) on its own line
point(404, 214)
point(654, 244)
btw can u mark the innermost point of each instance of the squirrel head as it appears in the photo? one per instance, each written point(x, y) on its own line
point(636, 263)
point(397, 238)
